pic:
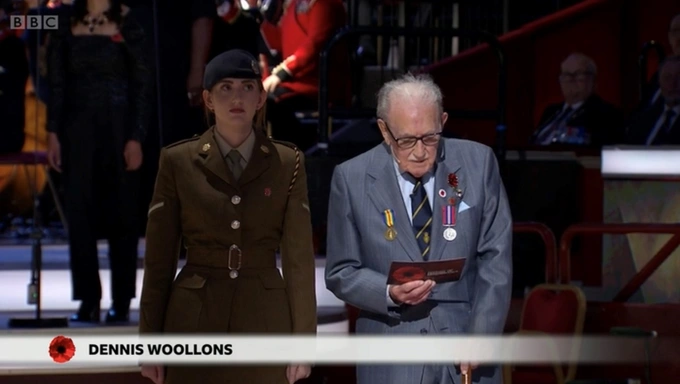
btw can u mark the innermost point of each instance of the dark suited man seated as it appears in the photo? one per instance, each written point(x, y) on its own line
point(659, 124)
point(651, 93)
point(583, 118)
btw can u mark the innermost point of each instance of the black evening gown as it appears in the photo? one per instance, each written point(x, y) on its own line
point(100, 95)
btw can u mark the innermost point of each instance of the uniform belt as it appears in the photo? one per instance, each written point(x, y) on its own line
point(223, 273)
point(219, 258)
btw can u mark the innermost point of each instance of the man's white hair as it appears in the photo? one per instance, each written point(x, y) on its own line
point(419, 87)
point(585, 60)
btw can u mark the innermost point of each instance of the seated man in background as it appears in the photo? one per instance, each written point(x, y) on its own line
point(13, 78)
point(584, 118)
point(651, 94)
point(300, 36)
point(659, 124)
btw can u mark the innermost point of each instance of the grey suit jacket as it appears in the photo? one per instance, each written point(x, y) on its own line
point(359, 257)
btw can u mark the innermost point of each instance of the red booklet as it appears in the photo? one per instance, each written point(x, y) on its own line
point(440, 271)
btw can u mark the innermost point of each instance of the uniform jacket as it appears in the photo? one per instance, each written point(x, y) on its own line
point(304, 30)
point(359, 255)
point(196, 199)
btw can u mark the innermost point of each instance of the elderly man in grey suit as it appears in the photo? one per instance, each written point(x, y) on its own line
point(381, 210)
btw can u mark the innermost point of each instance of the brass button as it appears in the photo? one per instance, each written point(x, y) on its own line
point(235, 224)
point(235, 199)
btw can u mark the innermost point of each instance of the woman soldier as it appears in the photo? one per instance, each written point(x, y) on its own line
point(235, 197)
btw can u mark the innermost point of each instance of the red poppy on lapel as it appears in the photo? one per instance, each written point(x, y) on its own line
point(117, 38)
point(453, 180)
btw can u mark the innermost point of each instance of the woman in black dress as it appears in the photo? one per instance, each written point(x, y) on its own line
point(98, 112)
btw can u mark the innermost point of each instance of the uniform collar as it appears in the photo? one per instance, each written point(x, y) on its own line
point(245, 149)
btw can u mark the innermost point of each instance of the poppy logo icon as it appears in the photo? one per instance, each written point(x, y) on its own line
point(62, 349)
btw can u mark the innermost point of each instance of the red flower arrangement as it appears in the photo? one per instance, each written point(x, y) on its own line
point(406, 274)
point(117, 38)
point(62, 349)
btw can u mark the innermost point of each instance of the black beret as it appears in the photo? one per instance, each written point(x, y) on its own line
point(235, 64)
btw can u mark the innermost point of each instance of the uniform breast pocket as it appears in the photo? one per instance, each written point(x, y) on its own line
point(185, 305)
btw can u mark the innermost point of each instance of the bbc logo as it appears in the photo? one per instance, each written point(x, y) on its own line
point(34, 22)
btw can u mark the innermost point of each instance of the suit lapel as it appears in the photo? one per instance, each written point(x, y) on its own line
point(444, 169)
point(385, 193)
point(211, 159)
point(260, 160)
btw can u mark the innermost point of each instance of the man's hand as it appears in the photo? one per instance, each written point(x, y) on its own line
point(270, 83)
point(466, 368)
point(133, 155)
point(411, 293)
point(155, 373)
point(54, 151)
point(297, 372)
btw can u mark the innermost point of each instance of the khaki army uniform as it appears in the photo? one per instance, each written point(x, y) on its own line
point(221, 216)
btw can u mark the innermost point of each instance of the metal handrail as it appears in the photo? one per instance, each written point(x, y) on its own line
point(549, 242)
point(621, 229)
point(491, 40)
point(642, 61)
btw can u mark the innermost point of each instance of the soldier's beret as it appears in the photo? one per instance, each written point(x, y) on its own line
point(235, 64)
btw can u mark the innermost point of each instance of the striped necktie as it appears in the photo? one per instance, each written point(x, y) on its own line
point(551, 131)
point(663, 137)
point(421, 217)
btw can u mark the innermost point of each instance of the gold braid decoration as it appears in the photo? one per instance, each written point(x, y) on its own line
point(295, 171)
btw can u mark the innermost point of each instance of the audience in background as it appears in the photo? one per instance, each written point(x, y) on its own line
point(13, 78)
point(659, 124)
point(293, 85)
point(583, 118)
point(651, 94)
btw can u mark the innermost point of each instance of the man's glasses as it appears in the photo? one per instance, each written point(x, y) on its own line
point(411, 141)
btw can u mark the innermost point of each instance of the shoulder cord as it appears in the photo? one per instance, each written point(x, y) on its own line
point(296, 170)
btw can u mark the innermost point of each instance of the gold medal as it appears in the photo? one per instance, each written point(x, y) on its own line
point(390, 233)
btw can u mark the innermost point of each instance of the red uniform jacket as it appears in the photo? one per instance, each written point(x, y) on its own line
point(304, 29)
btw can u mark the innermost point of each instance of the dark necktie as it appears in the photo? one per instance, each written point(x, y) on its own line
point(234, 157)
point(663, 136)
point(421, 214)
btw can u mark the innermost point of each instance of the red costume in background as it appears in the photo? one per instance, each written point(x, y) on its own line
point(302, 33)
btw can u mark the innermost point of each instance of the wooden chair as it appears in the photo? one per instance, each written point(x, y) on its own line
point(553, 310)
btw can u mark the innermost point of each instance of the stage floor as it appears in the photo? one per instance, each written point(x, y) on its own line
point(56, 302)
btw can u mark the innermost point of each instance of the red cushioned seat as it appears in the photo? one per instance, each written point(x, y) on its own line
point(555, 310)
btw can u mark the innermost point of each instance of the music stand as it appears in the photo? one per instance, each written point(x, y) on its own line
point(34, 287)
